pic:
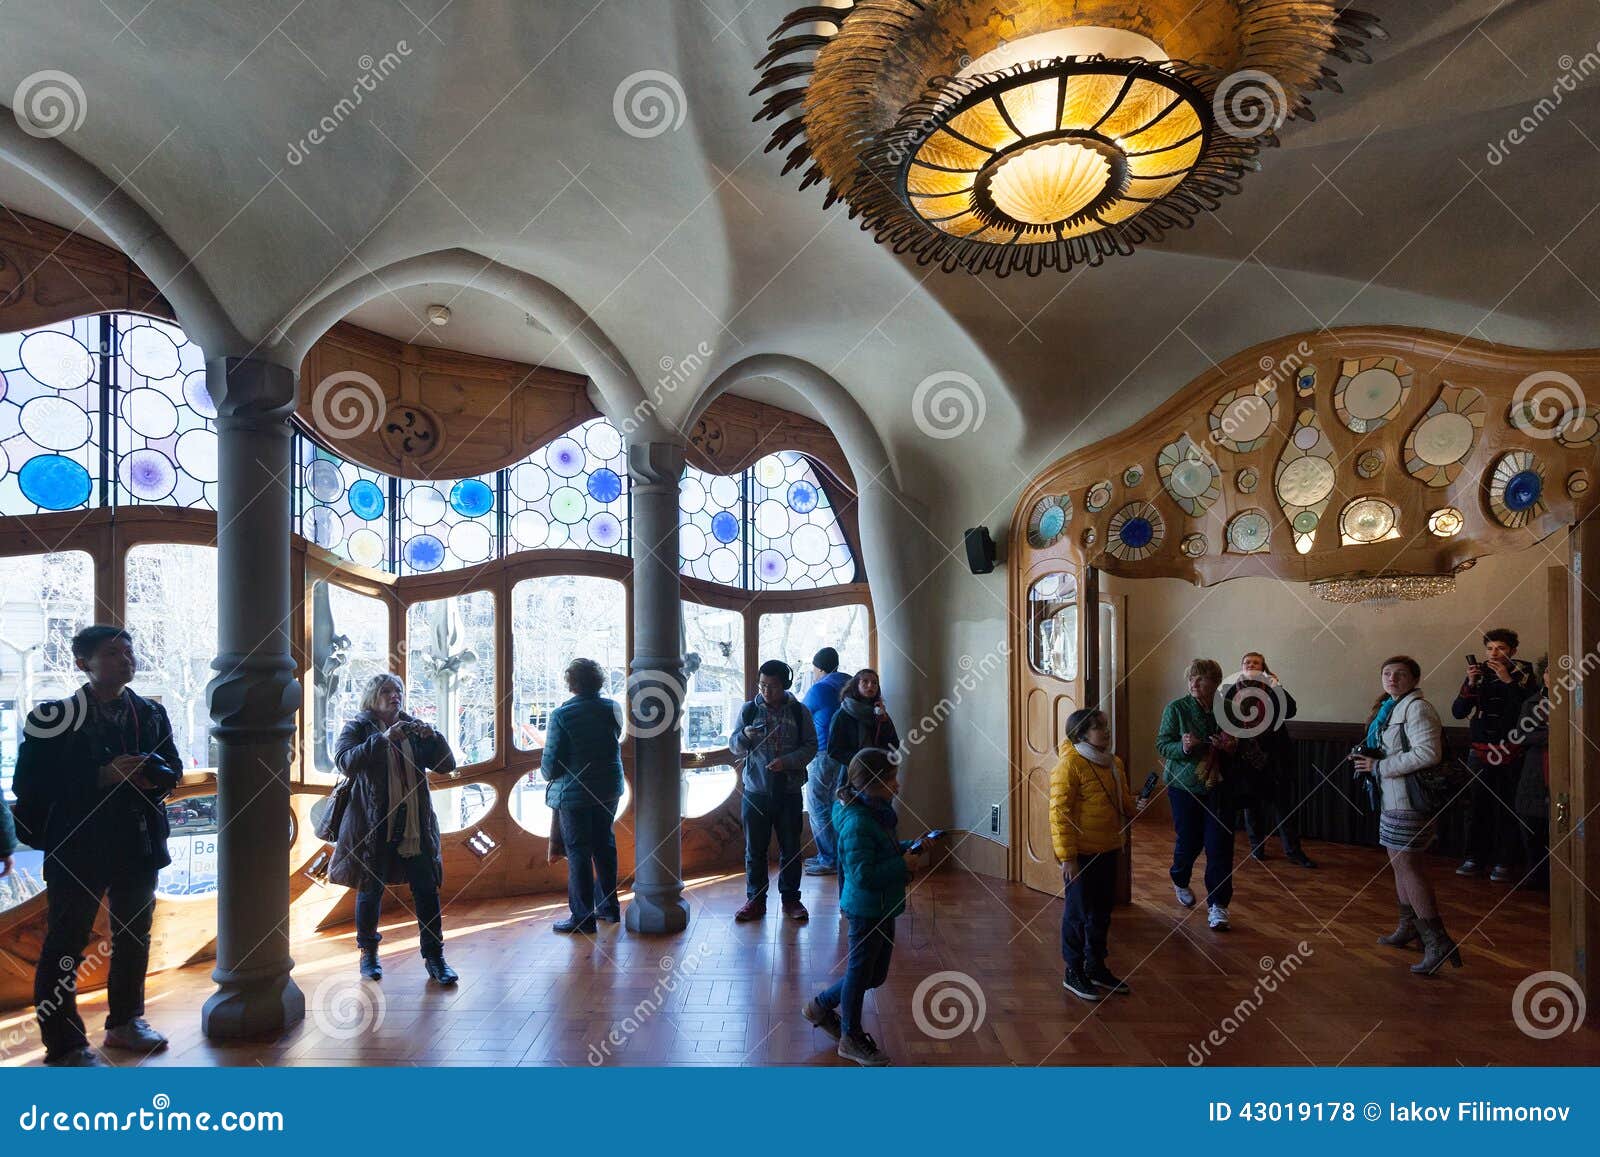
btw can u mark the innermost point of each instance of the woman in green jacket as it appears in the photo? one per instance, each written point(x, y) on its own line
point(873, 865)
point(1195, 748)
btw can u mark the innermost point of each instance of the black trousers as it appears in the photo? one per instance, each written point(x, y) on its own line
point(424, 899)
point(1274, 807)
point(1494, 831)
point(74, 902)
point(766, 813)
point(591, 860)
point(1086, 918)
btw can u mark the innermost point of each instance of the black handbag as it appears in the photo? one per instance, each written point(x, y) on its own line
point(327, 829)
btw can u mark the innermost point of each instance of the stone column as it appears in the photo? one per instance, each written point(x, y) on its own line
point(254, 697)
point(655, 690)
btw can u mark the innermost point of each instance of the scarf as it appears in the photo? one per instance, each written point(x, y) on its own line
point(869, 727)
point(1380, 721)
point(880, 810)
point(404, 781)
point(1092, 753)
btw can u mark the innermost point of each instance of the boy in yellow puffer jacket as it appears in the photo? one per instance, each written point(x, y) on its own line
point(1090, 810)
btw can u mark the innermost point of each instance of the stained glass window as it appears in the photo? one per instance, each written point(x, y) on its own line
point(343, 507)
point(166, 429)
point(571, 494)
point(796, 541)
point(711, 527)
point(50, 417)
point(449, 524)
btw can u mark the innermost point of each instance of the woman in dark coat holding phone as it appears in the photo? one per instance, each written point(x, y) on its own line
point(389, 833)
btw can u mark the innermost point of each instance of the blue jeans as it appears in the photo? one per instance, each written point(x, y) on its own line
point(591, 860)
point(865, 968)
point(424, 896)
point(822, 781)
point(766, 814)
point(1202, 821)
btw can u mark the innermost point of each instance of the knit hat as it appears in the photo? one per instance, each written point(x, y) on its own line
point(826, 660)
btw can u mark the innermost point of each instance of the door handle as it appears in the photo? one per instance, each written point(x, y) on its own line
point(1563, 818)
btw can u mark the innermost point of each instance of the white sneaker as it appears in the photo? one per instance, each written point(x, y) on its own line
point(1218, 918)
point(136, 1036)
point(1185, 896)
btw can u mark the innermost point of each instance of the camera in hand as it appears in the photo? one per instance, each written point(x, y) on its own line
point(1367, 787)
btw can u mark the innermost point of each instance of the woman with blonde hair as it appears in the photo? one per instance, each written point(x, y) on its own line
point(389, 833)
point(1196, 751)
point(1403, 740)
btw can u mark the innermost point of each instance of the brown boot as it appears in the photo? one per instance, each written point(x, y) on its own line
point(1438, 947)
point(1406, 932)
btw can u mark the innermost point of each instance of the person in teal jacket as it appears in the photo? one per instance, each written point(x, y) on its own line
point(583, 764)
point(874, 866)
point(1196, 748)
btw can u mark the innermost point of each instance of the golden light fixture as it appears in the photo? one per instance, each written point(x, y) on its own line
point(1035, 134)
point(1385, 588)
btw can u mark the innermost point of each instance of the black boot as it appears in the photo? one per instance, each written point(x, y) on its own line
point(371, 969)
point(1406, 932)
point(1439, 947)
point(440, 971)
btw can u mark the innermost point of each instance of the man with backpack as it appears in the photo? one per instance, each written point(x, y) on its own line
point(776, 739)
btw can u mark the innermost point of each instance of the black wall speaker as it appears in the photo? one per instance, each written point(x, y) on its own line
point(980, 550)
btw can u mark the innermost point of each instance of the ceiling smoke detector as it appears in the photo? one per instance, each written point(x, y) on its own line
point(439, 314)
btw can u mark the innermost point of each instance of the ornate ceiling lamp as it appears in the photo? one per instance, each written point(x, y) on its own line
point(1037, 134)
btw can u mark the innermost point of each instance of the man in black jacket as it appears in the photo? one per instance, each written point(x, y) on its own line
point(92, 773)
point(1493, 694)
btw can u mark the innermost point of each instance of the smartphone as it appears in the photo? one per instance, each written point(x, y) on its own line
point(916, 844)
point(1149, 788)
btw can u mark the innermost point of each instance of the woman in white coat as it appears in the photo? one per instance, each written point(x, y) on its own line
point(1405, 727)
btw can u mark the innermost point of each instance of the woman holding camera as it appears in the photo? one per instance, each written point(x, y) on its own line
point(1403, 739)
point(389, 833)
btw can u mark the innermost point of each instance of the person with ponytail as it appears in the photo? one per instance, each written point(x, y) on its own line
point(1090, 810)
point(874, 864)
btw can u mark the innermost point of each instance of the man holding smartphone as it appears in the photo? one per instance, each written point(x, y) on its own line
point(776, 738)
point(93, 772)
point(1492, 695)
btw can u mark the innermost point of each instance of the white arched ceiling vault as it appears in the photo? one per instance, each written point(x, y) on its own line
point(496, 133)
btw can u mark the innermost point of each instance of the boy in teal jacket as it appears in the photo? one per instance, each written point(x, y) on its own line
point(873, 866)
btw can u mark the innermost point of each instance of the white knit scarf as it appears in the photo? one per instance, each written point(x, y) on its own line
point(1092, 753)
point(403, 782)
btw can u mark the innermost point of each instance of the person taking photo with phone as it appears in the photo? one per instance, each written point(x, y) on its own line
point(93, 772)
point(1492, 695)
point(1090, 811)
point(389, 833)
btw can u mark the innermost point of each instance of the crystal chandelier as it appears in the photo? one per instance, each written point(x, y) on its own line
point(1385, 588)
point(1033, 134)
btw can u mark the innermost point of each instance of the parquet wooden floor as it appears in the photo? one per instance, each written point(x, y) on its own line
point(730, 994)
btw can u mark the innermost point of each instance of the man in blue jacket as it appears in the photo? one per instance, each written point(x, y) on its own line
point(776, 739)
point(93, 772)
point(822, 777)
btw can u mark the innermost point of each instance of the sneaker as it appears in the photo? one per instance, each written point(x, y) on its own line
point(827, 1019)
point(135, 1037)
point(1218, 918)
point(1103, 977)
point(1301, 860)
point(572, 924)
point(1502, 875)
point(371, 968)
point(1470, 868)
point(1079, 985)
point(1185, 896)
point(862, 1049)
point(752, 910)
point(441, 972)
point(84, 1058)
point(796, 911)
point(820, 868)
